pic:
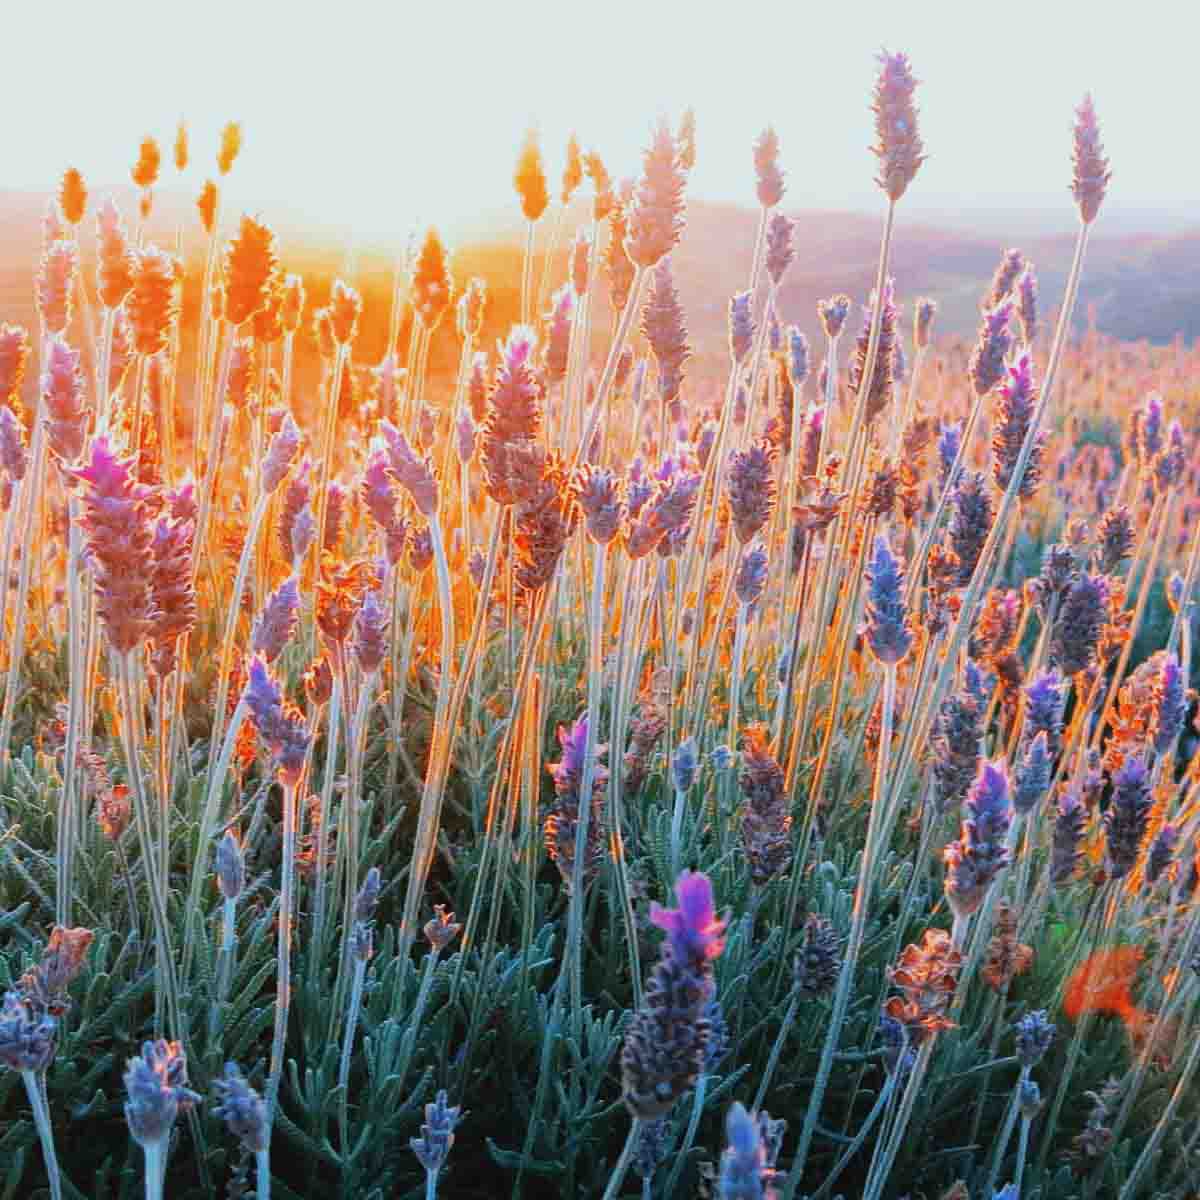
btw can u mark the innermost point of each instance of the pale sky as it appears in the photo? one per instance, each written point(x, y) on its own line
point(369, 117)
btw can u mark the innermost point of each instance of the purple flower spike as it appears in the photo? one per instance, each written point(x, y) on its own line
point(888, 633)
point(277, 622)
point(695, 931)
point(1170, 704)
point(415, 473)
point(1090, 178)
point(741, 326)
point(986, 368)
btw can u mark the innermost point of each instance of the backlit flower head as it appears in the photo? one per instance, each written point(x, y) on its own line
point(63, 397)
point(56, 285)
point(986, 367)
point(1016, 402)
point(173, 592)
point(656, 218)
point(370, 634)
point(1091, 173)
point(558, 333)
point(14, 358)
point(153, 303)
point(230, 147)
point(119, 539)
point(156, 1086)
point(695, 933)
point(432, 282)
point(279, 724)
point(72, 196)
point(598, 492)
point(751, 489)
point(888, 632)
point(882, 381)
point(529, 178)
point(665, 328)
point(206, 206)
point(276, 624)
point(242, 1109)
point(1127, 815)
point(251, 266)
point(1027, 304)
point(898, 145)
point(769, 185)
point(415, 473)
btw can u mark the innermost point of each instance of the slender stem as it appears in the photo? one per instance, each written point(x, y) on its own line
point(877, 1109)
point(130, 736)
point(208, 821)
point(619, 1171)
point(1130, 1187)
point(224, 964)
point(262, 1172)
point(231, 622)
point(32, 492)
point(283, 980)
point(156, 1168)
point(785, 1028)
point(1000, 1145)
point(878, 834)
point(356, 991)
point(632, 307)
point(41, 1118)
point(429, 818)
point(574, 943)
point(321, 823)
point(329, 424)
point(689, 1137)
point(880, 1172)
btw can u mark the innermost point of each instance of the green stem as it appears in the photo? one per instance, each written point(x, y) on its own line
point(35, 479)
point(689, 1137)
point(262, 1171)
point(41, 1118)
point(283, 980)
point(429, 818)
point(876, 843)
point(619, 1171)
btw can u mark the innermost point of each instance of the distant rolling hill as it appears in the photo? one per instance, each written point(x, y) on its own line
point(1136, 285)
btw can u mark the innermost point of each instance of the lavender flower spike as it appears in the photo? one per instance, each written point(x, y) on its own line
point(664, 1049)
point(770, 186)
point(1044, 701)
point(780, 249)
point(415, 473)
point(656, 217)
point(277, 622)
point(973, 861)
point(28, 1039)
point(1031, 781)
point(1070, 822)
point(1127, 816)
point(898, 143)
point(281, 451)
point(1090, 178)
point(1170, 704)
point(242, 1109)
point(432, 1148)
point(694, 931)
point(741, 326)
point(156, 1083)
point(744, 1171)
point(684, 765)
point(888, 632)
point(986, 368)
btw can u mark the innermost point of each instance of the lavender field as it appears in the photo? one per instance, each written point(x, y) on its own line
point(522, 734)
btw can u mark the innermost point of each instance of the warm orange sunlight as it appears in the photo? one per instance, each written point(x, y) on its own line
point(599, 602)
point(366, 118)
